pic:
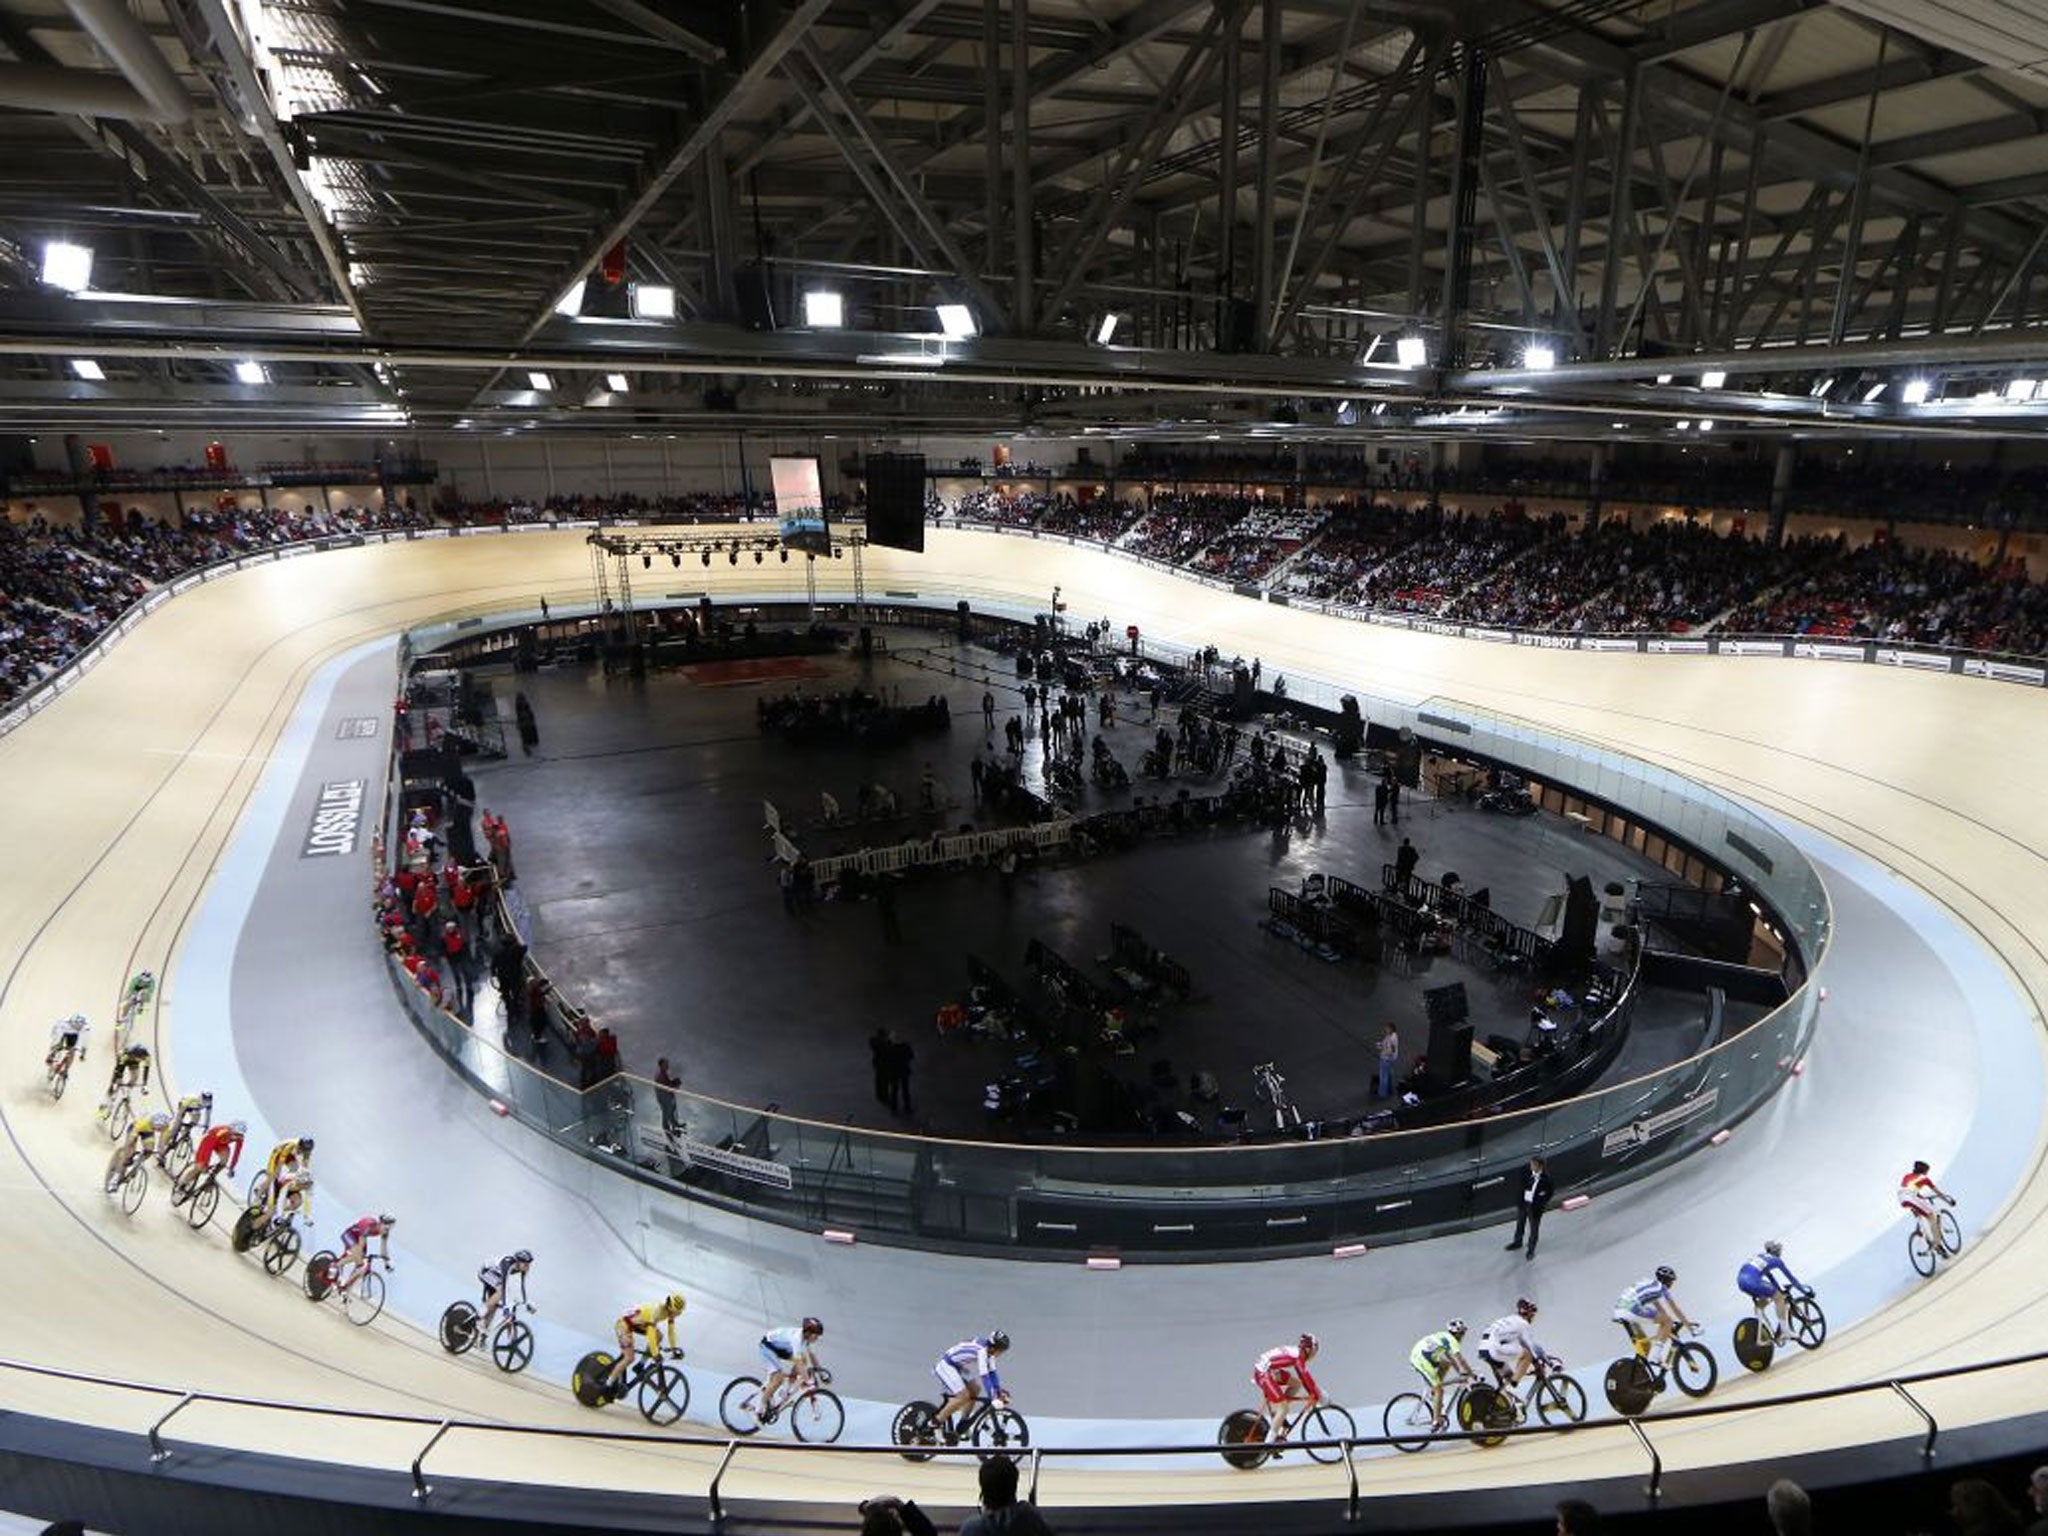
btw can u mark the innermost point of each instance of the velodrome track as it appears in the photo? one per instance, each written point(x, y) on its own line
point(122, 798)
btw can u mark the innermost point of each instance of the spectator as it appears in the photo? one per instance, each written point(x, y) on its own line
point(1979, 1509)
point(1575, 1517)
point(1001, 1512)
point(1791, 1511)
point(2037, 1494)
point(665, 1085)
point(887, 1515)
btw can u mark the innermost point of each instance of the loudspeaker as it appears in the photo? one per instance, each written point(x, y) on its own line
point(1446, 1005)
point(966, 629)
point(896, 501)
point(1450, 1053)
point(754, 295)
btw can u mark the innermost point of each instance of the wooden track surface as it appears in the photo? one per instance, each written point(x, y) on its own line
point(121, 796)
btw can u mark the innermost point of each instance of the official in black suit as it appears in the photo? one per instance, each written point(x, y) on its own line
point(1530, 1206)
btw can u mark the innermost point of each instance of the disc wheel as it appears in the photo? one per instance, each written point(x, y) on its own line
point(817, 1417)
point(1407, 1422)
point(1809, 1323)
point(1242, 1438)
point(512, 1346)
point(1694, 1368)
point(458, 1327)
point(739, 1405)
point(1479, 1412)
point(1754, 1346)
point(1630, 1386)
point(587, 1381)
point(664, 1395)
point(319, 1276)
point(1560, 1400)
point(1327, 1421)
point(915, 1426)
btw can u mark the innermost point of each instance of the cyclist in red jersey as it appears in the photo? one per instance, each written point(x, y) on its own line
point(1282, 1377)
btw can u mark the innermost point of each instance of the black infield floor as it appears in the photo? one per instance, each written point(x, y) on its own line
point(639, 845)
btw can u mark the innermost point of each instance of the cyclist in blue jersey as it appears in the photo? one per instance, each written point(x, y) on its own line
point(1650, 1303)
point(962, 1371)
point(1760, 1280)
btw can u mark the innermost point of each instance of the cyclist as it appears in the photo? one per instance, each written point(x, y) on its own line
point(791, 1356)
point(1651, 1301)
point(131, 1070)
point(1282, 1377)
point(295, 1195)
point(1758, 1280)
point(646, 1321)
point(141, 987)
point(495, 1278)
point(67, 1039)
point(1917, 1193)
point(964, 1369)
point(144, 1137)
point(1435, 1356)
point(1509, 1348)
point(290, 1157)
point(220, 1149)
point(194, 1115)
point(355, 1247)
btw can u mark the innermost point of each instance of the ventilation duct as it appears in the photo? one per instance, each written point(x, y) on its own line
point(147, 89)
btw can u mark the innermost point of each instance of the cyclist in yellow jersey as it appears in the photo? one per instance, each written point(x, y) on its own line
point(289, 1157)
point(646, 1320)
point(144, 1139)
point(193, 1119)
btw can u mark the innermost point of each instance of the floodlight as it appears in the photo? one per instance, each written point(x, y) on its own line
point(1713, 378)
point(616, 383)
point(1820, 388)
point(67, 266)
point(824, 310)
point(571, 301)
point(654, 301)
point(1412, 352)
point(1685, 425)
point(957, 321)
point(1707, 425)
point(88, 370)
point(540, 381)
point(1663, 378)
point(251, 373)
point(1105, 329)
point(1870, 395)
point(1916, 391)
point(1539, 357)
point(2019, 391)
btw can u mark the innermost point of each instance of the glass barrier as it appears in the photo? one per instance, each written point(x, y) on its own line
point(1169, 1199)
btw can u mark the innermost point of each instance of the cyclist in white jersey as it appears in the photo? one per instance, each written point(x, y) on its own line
point(963, 1369)
point(791, 1356)
point(1509, 1347)
point(1651, 1304)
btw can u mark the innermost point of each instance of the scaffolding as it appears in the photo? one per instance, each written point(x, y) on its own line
point(612, 553)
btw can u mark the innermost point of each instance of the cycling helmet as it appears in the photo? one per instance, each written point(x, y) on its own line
point(1455, 1327)
point(306, 1145)
point(1308, 1345)
point(813, 1329)
point(675, 1302)
point(139, 1052)
point(76, 1021)
point(1920, 1167)
point(998, 1339)
point(1666, 1275)
point(1526, 1307)
point(144, 978)
point(523, 1256)
point(1774, 1248)
point(387, 1221)
point(158, 1121)
point(206, 1098)
point(239, 1127)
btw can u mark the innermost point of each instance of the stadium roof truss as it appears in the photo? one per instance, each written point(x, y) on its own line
point(1531, 216)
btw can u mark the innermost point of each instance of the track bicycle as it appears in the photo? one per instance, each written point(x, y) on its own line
point(815, 1414)
point(1756, 1340)
point(511, 1334)
point(1485, 1411)
point(196, 1192)
point(119, 1113)
point(1636, 1378)
point(1925, 1256)
point(659, 1387)
point(131, 1182)
point(989, 1425)
point(57, 1070)
point(177, 1153)
point(1242, 1438)
point(277, 1237)
point(362, 1298)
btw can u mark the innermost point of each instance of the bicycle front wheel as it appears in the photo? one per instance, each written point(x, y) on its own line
point(363, 1301)
point(60, 1079)
point(282, 1252)
point(120, 1119)
point(817, 1417)
point(204, 1200)
point(179, 1157)
point(1809, 1323)
point(135, 1186)
point(664, 1396)
point(1951, 1233)
point(512, 1346)
point(1001, 1429)
point(1407, 1422)
point(1694, 1368)
point(1560, 1400)
point(1326, 1421)
point(739, 1405)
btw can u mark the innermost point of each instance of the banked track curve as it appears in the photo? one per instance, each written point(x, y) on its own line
point(122, 796)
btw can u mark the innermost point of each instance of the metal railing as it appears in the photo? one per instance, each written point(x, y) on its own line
point(731, 1449)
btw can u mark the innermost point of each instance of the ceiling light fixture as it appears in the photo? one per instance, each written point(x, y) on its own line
point(654, 301)
point(251, 373)
point(1707, 425)
point(570, 304)
point(88, 370)
point(1818, 391)
point(957, 321)
point(824, 310)
point(2019, 391)
point(1685, 425)
point(540, 381)
point(1105, 329)
point(1713, 378)
point(1540, 357)
point(1870, 395)
point(1663, 378)
point(1412, 352)
point(1916, 391)
point(617, 383)
point(67, 266)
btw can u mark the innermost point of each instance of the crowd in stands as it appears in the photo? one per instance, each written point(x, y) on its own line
point(1177, 528)
point(1891, 591)
point(1258, 542)
point(1455, 550)
point(691, 507)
